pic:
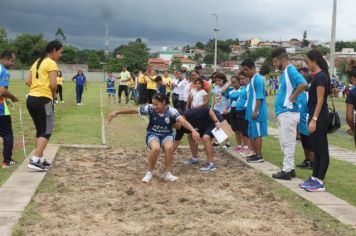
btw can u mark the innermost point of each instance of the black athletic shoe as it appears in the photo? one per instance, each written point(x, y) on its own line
point(304, 165)
point(36, 166)
point(255, 159)
point(46, 163)
point(293, 174)
point(12, 162)
point(282, 175)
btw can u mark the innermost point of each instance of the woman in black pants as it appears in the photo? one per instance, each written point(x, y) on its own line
point(319, 90)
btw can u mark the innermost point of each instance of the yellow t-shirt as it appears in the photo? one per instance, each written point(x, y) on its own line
point(40, 86)
point(151, 84)
point(141, 79)
point(59, 80)
point(168, 81)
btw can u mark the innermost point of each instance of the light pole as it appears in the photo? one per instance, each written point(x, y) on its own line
point(216, 41)
point(332, 43)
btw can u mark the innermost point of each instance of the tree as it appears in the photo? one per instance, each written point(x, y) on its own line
point(265, 68)
point(93, 61)
point(197, 57)
point(60, 36)
point(29, 47)
point(200, 45)
point(69, 55)
point(176, 64)
point(114, 65)
point(135, 55)
point(305, 41)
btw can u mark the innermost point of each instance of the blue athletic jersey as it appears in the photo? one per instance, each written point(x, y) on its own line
point(242, 99)
point(256, 91)
point(303, 109)
point(159, 124)
point(290, 79)
point(110, 83)
point(4, 82)
point(80, 79)
point(232, 94)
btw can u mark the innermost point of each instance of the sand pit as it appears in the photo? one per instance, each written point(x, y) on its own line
point(99, 192)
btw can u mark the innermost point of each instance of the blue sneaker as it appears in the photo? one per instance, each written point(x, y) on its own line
point(191, 161)
point(208, 167)
point(306, 183)
point(315, 186)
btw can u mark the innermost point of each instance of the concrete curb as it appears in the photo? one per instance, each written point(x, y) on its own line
point(334, 206)
point(17, 192)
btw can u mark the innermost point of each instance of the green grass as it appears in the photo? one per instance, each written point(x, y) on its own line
point(313, 214)
point(340, 178)
point(340, 138)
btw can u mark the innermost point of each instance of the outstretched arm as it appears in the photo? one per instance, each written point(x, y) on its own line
point(122, 112)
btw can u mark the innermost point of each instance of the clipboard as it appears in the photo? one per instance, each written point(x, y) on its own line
point(223, 133)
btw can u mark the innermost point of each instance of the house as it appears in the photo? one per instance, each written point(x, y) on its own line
point(158, 64)
point(168, 53)
point(186, 62)
point(230, 65)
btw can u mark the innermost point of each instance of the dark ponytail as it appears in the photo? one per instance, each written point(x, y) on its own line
point(316, 56)
point(53, 45)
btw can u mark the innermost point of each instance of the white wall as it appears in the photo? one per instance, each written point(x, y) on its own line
point(91, 76)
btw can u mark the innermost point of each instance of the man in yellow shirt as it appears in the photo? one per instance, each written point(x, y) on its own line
point(167, 81)
point(124, 79)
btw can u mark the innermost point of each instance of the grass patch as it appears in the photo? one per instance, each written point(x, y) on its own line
point(29, 217)
point(340, 178)
point(316, 216)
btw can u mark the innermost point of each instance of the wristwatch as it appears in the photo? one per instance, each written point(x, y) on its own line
point(315, 118)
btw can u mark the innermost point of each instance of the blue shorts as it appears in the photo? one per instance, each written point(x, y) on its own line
point(111, 91)
point(257, 129)
point(160, 138)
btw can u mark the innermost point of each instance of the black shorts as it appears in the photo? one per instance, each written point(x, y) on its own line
point(123, 88)
point(306, 142)
point(41, 110)
point(242, 123)
point(234, 122)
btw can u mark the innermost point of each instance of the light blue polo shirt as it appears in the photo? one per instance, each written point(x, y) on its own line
point(290, 79)
point(256, 92)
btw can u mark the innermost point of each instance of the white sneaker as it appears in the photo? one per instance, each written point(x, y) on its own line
point(167, 176)
point(148, 177)
point(62, 101)
point(78, 104)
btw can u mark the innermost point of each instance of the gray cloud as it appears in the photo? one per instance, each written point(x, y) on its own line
point(168, 22)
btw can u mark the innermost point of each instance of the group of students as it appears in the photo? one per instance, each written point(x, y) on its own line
point(198, 107)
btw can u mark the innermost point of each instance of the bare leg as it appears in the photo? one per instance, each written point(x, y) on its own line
point(209, 150)
point(155, 149)
point(238, 138)
point(258, 145)
point(168, 151)
point(193, 146)
point(41, 144)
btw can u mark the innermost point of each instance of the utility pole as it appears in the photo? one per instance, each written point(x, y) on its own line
point(216, 41)
point(332, 43)
point(107, 46)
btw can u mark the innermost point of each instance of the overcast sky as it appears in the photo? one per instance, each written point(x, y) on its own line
point(176, 22)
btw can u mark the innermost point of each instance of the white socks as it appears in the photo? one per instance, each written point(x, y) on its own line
point(36, 159)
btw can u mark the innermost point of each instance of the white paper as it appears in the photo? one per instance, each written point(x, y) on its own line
point(219, 135)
